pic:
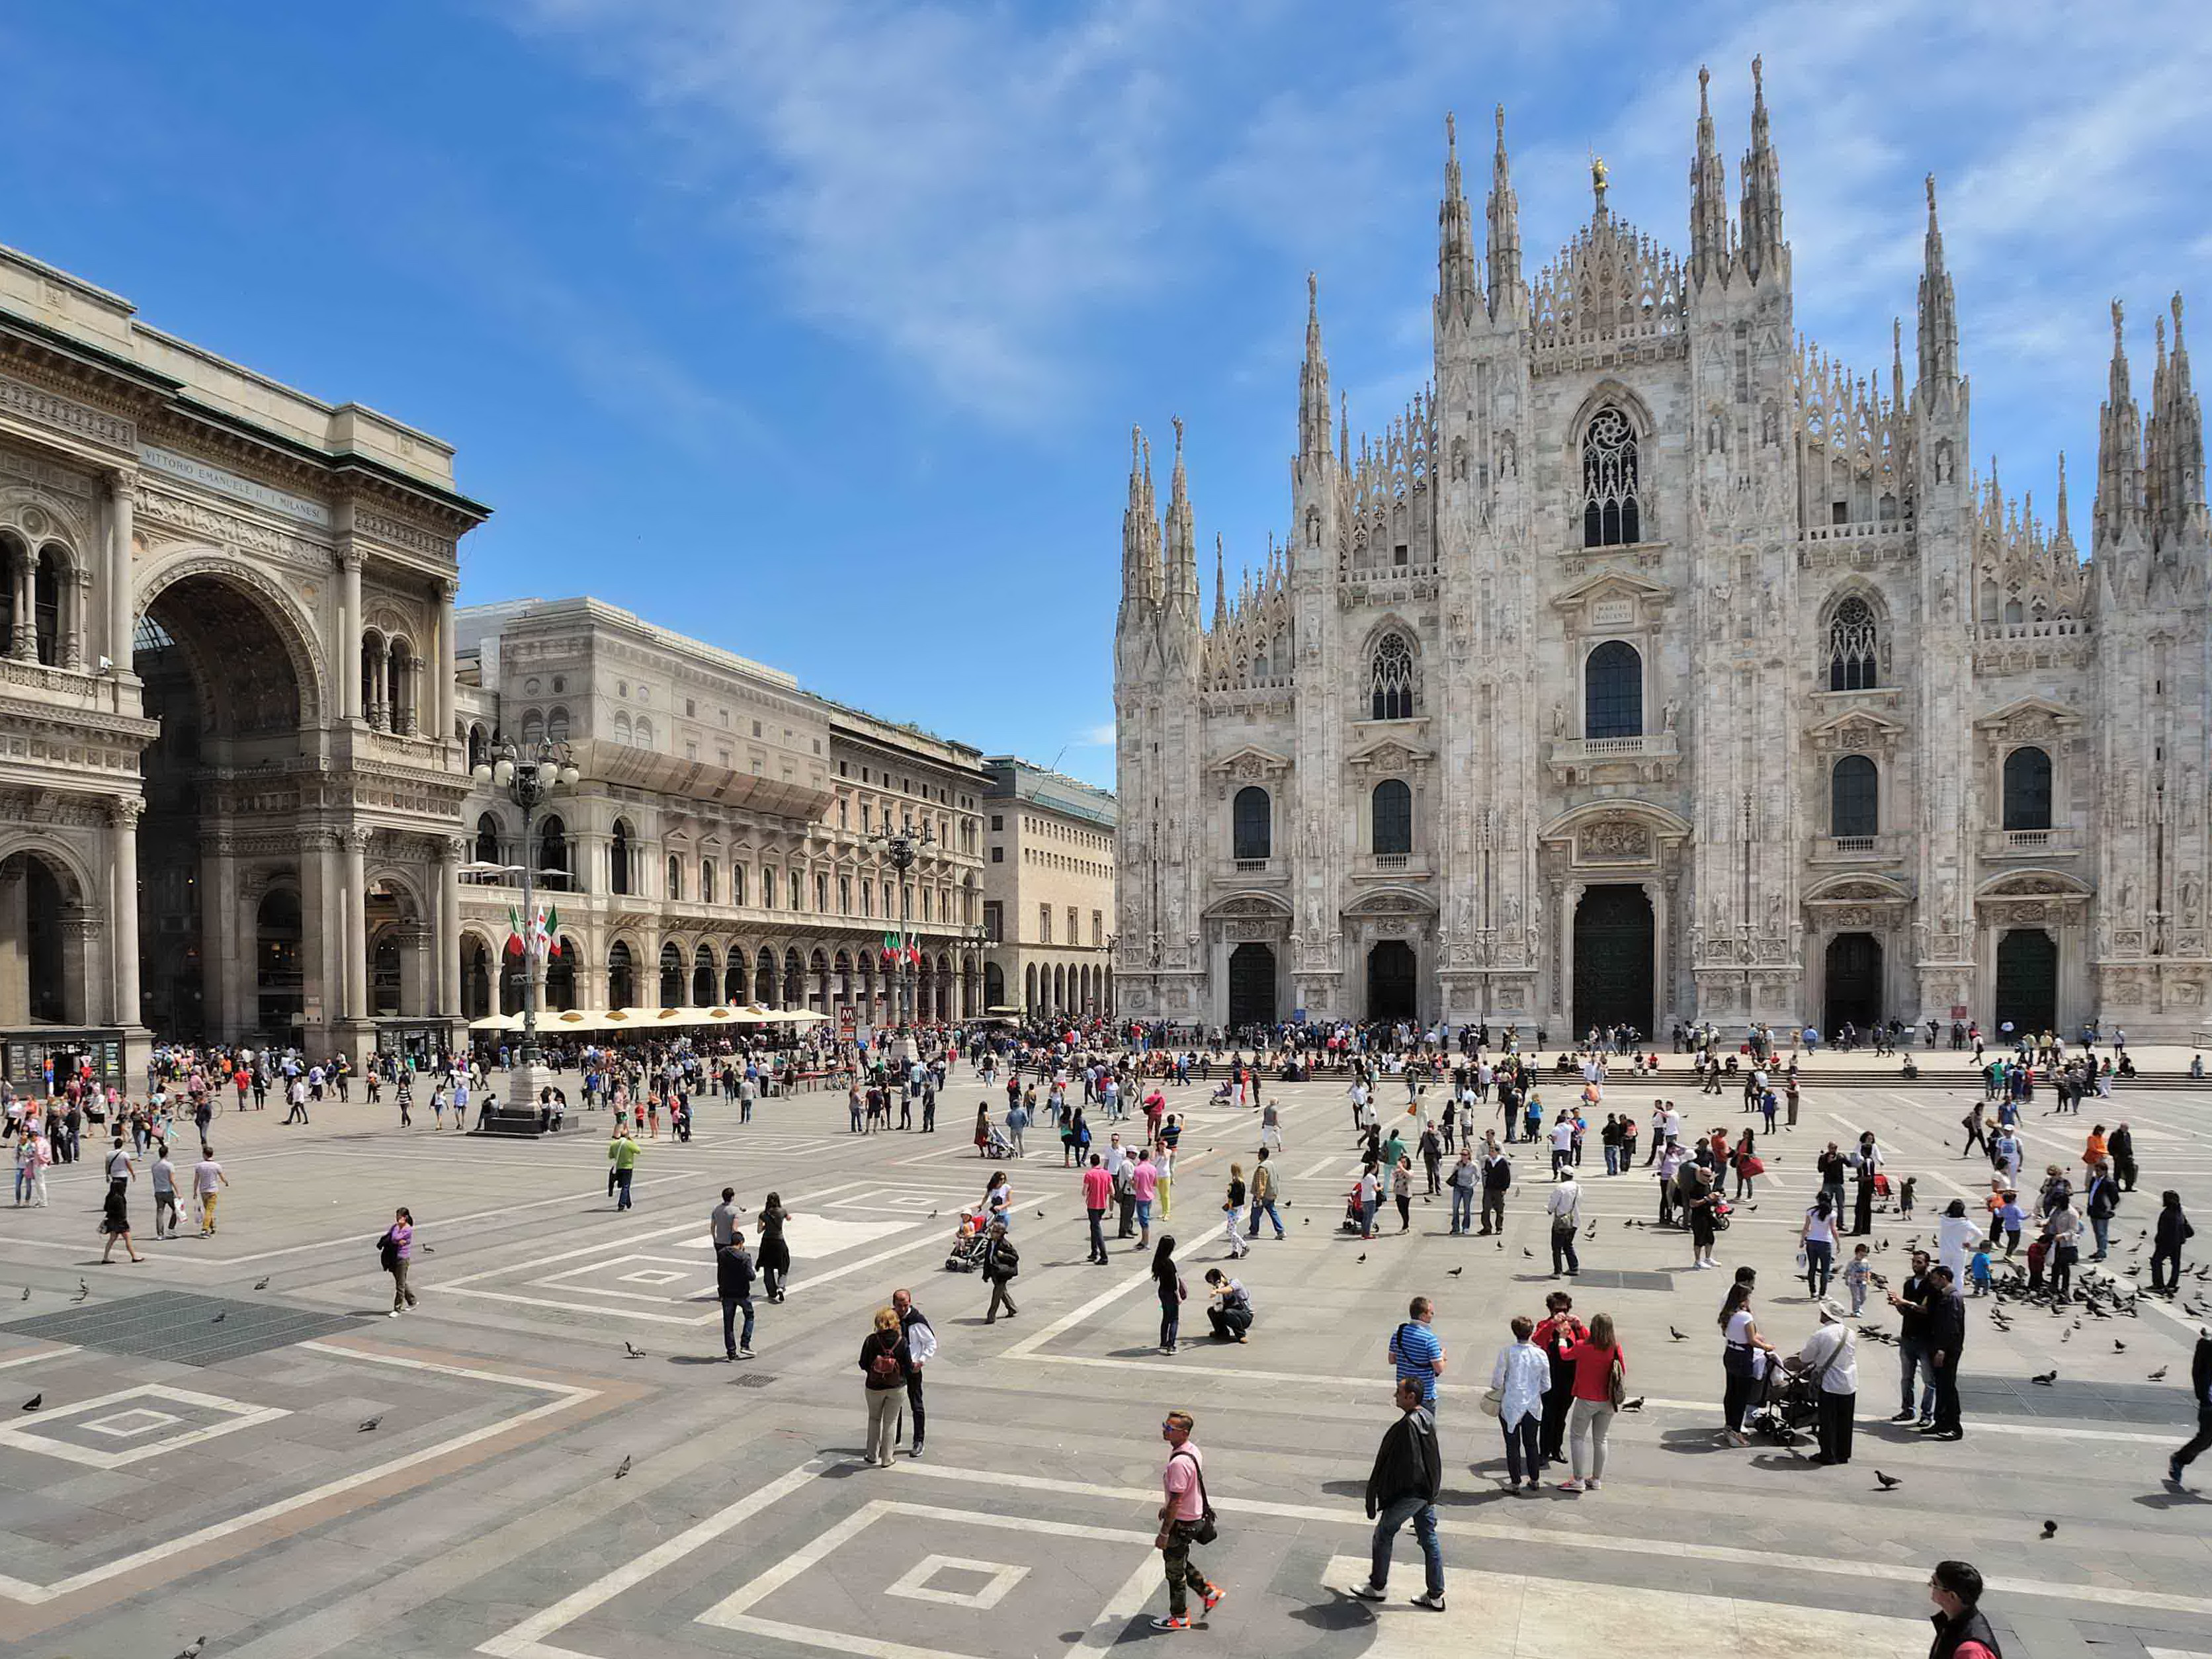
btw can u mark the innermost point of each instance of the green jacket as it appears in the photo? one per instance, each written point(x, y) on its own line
point(623, 1152)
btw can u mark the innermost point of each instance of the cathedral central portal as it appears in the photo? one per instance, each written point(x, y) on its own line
point(1615, 936)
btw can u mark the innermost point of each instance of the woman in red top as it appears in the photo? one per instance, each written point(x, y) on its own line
point(1557, 1336)
point(1598, 1361)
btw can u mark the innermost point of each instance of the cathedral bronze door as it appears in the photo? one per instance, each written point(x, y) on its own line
point(1854, 966)
point(1251, 986)
point(1615, 935)
point(1391, 973)
point(2027, 981)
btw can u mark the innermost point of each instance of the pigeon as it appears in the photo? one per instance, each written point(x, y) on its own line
point(1889, 1482)
point(1753, 1207)
point(1635, 1405)
point(2159, 1375)
point(632, 1350)
point(1039, 1214)
point(622, 1467)
point(1676, 1334)
point(1454, 1273)
point(429, 1250)
point(262, 1284)
point(1501, 1243)
point(83, 1289)
point(2044, 1379)
point(1305, 1221)
point(1362, 1255)
point(34, 1402)
point(2050, 1529)
point(367, 1424)
point(933, 1215)
point(219, 1317)
point(2064, 1335)
point(194, 1649)
point(1592, 1233)
point(2119, 1347)
point(1528, 1253)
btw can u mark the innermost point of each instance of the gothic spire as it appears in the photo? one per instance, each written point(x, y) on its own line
point(2175, 456)
point(1709, 220)
point(1939, 310)
point(1762, 187)
point(1220, 587)
point(2061, 540)
point(1457, 285)
point(1896, 362)
point(1182, 552)
point(2119, 449)
point(1343, 433)
point(1507, 290)
point(1313, 381)
point(1140, 532)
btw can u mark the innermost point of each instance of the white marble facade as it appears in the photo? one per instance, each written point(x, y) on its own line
point(1652, 664)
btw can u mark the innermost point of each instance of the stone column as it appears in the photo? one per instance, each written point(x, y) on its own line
point(440, 665)
point(1570, 898)
point(227, 1005)
point(354, 930)
point(75, 609)
point(123, 928)
point(122, 502)
point(447, 943)
point(351, 690)
point(20, 575)
point(1661, 993)
point(14, 944)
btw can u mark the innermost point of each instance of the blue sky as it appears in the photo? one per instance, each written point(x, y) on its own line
point(817, 329)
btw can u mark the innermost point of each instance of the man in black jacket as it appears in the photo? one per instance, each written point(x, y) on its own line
point(1409, 1471)
point(2200, 1384)
point(1946, 1335)
point(1961, 1632)
point(733, 1281)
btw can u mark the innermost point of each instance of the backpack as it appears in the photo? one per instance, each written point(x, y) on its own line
point(884, 1369)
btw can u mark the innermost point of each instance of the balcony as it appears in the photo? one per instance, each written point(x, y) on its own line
point(1252, 873)
point(2030, 843)
point(1392, 861)
point(1251, 867)
point(1857, 849)
point(1647, 756)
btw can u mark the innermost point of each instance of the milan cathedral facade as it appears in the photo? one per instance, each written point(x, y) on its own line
point(1653, 666)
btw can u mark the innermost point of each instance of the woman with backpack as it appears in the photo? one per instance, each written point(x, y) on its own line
point(884, 1368)
point(396, 1250)
point(1001, 1261)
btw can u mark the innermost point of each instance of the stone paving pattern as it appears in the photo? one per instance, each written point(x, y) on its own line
point(174, 1487)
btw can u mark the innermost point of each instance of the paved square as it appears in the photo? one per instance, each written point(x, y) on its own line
point(561, 1463)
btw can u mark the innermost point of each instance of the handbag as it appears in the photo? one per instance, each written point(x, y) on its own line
point(1616, 1382)
point(1203, 1530)
point(1493, 1402)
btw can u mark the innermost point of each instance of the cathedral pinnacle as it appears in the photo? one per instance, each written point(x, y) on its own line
point(1181, 551)
point(1508, 293)
point(1313, 381)
point(1140, 534)
point(1939, 310)
point(1709, 220)
point(2119, 449)
point(1220, 587)
point(2174, 447)
point(1456, 286)
point(1762, 187)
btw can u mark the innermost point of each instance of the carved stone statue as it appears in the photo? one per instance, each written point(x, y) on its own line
point(1558, 721)
point(1668, 715)
point(1512, 913)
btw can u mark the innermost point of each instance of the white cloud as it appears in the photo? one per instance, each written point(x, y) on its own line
point(1097, 737)
point(928, 178)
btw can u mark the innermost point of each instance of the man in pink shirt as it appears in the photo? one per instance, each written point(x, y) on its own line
point(1145, 1182)
point(1097, 1193)
point(1182, 1517)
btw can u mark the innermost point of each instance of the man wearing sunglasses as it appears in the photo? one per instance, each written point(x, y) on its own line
point(1181, 1518)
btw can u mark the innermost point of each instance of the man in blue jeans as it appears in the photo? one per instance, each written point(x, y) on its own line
point(1408, 1473)
point(733, 1282)
point(1263, 1198)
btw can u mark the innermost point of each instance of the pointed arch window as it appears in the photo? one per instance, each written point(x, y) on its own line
point(1853, 657)
point(1613, 514)
point(1390, 679)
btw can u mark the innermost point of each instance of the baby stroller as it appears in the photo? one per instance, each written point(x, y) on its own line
point(998, 1145)
point(966, 1254)
point(1790, 1408)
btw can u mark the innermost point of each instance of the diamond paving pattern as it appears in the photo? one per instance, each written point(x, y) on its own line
point(183, 1329)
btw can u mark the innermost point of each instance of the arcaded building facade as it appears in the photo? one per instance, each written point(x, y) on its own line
point(228, 785)
point(1047, 891)
point(1653, 665)
point(724, 844)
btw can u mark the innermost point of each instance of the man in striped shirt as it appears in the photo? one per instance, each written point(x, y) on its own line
point(1418, 1351)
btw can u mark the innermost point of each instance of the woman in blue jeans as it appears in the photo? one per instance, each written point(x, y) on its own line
point(1818, 1235)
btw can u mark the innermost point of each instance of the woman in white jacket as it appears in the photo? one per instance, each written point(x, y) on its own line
point(1520, 1377)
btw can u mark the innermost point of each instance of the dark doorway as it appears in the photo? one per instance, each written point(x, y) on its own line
point(1854, 983)
point(1251, 986)
point(2027, 981)
point(279, 965)
point(1391, 972)
point(1614, 933)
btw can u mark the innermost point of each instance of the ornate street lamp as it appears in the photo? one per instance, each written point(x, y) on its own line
point(530, 772)
point(904, 846)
